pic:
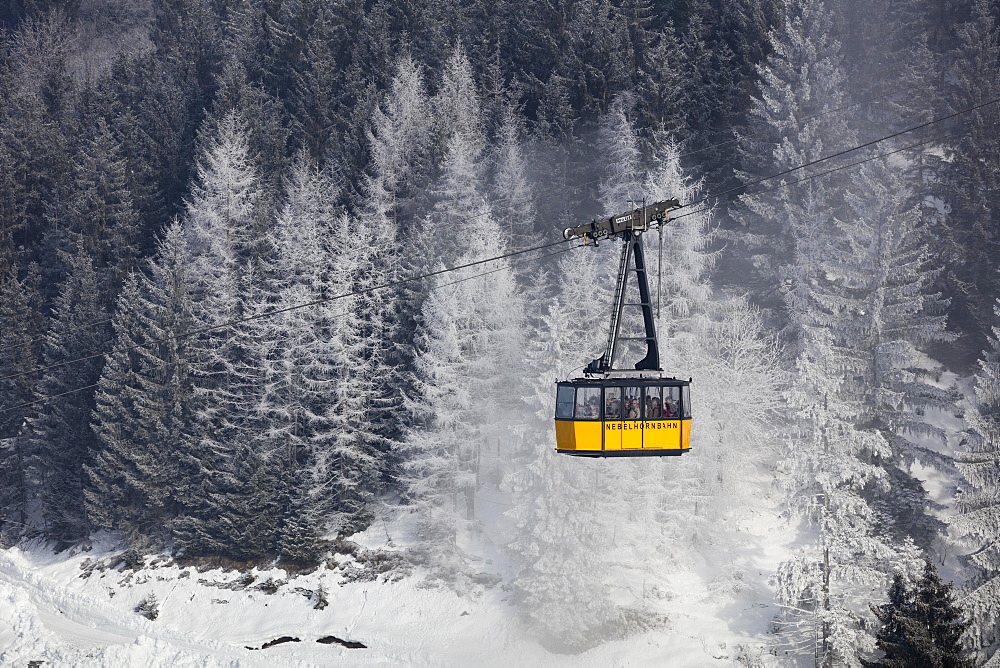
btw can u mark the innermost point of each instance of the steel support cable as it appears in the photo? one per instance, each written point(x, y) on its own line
point(824, 173)
point(295, 307)
point(439, 272)
point(716, 196)
point(838, 154)
point(809, 178)
point(809, 118)
point(108, 321)
point(510, 202)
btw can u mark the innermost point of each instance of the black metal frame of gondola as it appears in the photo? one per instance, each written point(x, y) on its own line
point(629, 228)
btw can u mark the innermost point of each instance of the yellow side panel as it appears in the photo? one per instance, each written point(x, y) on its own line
point(661, 434)
point(613, 435)
point(588, 435)
point(686, 433)
point(565, 436)
point(578, 435)
point(631, 434)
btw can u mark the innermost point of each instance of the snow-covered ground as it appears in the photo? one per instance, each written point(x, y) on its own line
point(77, 608)
point(73, 610)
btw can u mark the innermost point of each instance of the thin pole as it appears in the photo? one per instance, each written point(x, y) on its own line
point(659, 267)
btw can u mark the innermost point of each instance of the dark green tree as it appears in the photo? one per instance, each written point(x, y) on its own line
point(62, 439)
point(18, 356)
point(893, 636)
point(922, 626)
point(98, 209)
point(131, 474)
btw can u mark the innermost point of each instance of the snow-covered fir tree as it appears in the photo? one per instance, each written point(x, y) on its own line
point(167, 376)
point(457, 106)
point(362, 417)
point(557, 546)
point(618, 143)
point(62, 438)
point(399, 139)
point(825, 588)
point(978, 503)
point(783, 236)
point(226, 234)
point(881, 305)
point(468, 359)
point(130, 474)
point(100, 212)
point(513, 202)
point(970, 175)
point(299, 356)
point(18, 357)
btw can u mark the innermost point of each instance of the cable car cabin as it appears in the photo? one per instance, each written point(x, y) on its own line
point(625, 412)
point(623, 417)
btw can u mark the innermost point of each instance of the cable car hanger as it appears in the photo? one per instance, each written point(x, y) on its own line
point(625, 412)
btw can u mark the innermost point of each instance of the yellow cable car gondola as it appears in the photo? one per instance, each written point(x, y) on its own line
point(625, 412)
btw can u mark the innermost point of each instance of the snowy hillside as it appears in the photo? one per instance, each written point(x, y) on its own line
point(287, 288)
point(77, 610)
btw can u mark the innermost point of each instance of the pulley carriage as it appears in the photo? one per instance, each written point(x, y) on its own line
point(625, 412)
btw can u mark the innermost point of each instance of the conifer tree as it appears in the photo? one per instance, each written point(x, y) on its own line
point(129, 475)
point(359, 442)
point(226, 230)
point(263, 124)
point(318, 82)
point(300, 359)
point(400, 138)
point(783, 236)
point(468, 357)
point(62, 438)
point(150, 468)
point(972, 172)
point(921, 626)
point(977, 501)
point(18, 356)
point(892, 638)
point(621, 187)
point(881, 307)
point(557, 546)
point(99, 210)
point(682, 260)
point(457, 105)
point(514, 200)
point(829, 466)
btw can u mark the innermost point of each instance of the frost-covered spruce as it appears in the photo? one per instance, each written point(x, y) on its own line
point(18, 355)
point(970, 177)
point(513, 200)
point(618, 144)
point(62, 438)
point(825, 588)
point(225, 228)
point(468, 360)
point(130, 472)
point(977, 500)
point(297, 357)
point(783, 236)
point(882, 308)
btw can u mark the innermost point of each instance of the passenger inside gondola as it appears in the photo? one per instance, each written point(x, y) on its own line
point(655, 411)
point(613, 409)
point(669, 409)
point(588, 403)
point(632, 413)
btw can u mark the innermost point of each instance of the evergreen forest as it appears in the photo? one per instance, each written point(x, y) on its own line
point(262, 289)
